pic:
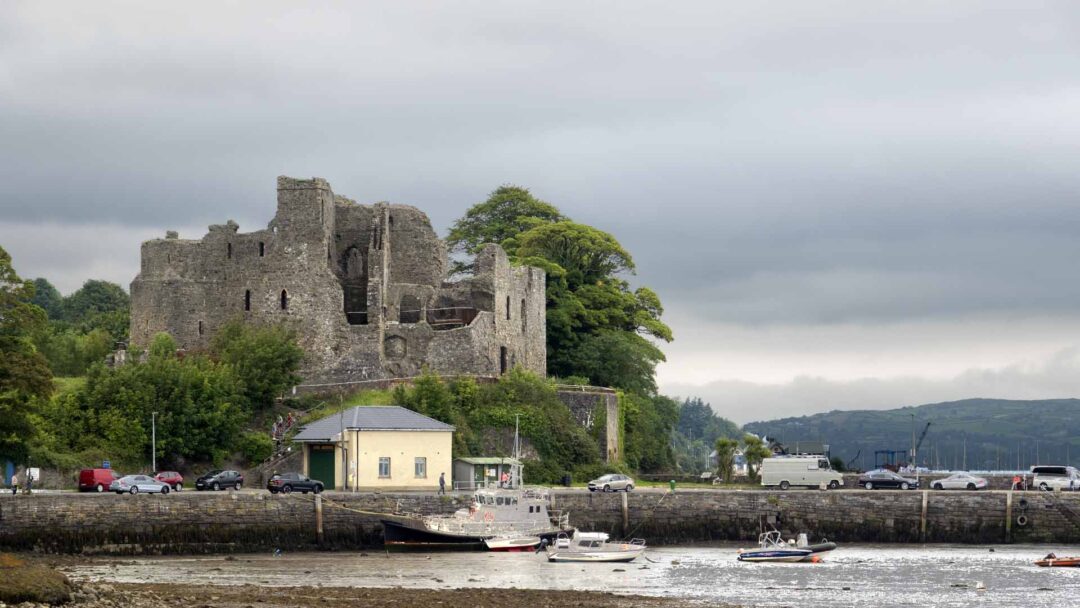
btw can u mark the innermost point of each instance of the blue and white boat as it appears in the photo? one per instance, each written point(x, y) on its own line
point(772, 548)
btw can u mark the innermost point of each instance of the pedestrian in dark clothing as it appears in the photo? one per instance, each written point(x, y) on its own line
point(442, 483)
point(15, 484)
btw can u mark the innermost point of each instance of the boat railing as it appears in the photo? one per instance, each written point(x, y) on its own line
point(561, 519)
point(637, 541)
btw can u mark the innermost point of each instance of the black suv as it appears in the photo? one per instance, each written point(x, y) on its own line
point(287, 483)
point(219, 480)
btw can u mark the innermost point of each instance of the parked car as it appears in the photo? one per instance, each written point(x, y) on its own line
point(134, 484)
point(96, 480)
point(613, 482)
point(959, 481)
point(884, 478)
point(220, 480)
point(172, 478)
point(287, 483)
point(1049, 478)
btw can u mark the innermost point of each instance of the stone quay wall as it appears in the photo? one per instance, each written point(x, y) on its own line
point(226, 522)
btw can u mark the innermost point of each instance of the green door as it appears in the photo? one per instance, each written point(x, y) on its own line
point(321, 464)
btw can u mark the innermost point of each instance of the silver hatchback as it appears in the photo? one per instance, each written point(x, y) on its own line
point(134, 484)
point(613, 482)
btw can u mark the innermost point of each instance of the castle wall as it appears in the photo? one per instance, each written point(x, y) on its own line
point(363, 286)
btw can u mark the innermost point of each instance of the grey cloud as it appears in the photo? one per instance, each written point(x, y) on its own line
point(783, 165)
point(743, 402)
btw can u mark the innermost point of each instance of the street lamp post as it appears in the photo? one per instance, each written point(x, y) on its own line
point(153, 442)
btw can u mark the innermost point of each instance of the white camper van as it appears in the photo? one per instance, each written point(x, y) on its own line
point(810, 471)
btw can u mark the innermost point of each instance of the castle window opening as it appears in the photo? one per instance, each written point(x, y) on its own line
point(228, 250)
point(200, 328)
point(524, 317)
point(409, 309)
point(502, 360)
point(284, 300)
point(247, 299)
point(507, 308)
point(262, 249)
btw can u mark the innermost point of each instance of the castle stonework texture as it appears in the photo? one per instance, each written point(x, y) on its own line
point(364, 287)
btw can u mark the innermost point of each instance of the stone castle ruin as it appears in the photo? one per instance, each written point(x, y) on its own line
point(364, 287)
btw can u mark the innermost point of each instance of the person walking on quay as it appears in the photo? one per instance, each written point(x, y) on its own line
point(442, 483)
point(14, 484)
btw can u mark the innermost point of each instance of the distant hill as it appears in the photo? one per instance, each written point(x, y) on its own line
point(999, 433)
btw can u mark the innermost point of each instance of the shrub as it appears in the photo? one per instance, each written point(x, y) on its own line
point(255, 446)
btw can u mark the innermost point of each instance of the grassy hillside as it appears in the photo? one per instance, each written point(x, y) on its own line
point(998, 433)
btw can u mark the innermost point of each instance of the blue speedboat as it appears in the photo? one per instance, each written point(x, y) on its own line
point(772, 548)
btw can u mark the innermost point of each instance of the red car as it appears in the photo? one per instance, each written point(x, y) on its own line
point(171, 478)
point(95, 480)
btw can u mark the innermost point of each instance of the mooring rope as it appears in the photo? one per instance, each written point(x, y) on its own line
point(649, 516)
point(328, 502)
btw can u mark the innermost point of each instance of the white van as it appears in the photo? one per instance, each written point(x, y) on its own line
point(1055, 478)
point(810, 471)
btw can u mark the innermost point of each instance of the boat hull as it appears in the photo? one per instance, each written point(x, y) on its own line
point(1059, 562)
point(775, 555)
point(598, 556)
point(511, 545)
point(406, 534)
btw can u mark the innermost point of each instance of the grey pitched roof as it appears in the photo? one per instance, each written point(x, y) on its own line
point(370, 418)
point(487, 460)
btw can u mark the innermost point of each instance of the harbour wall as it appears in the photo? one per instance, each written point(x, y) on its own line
point(248, 521)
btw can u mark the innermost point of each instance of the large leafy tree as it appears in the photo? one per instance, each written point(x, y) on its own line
point(199, 404)
point(48, 298)
point(507, 212)
point(265, 357)
point(597, 326)
point(99, 305)
point(599, 329)
point(24, 373)
point(83, 327)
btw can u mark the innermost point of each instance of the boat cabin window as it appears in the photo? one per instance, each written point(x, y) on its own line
point(513, 501)
point(499, 500)
point(490, 500)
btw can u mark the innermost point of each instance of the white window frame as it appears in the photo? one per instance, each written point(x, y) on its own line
point(420, 467)
point(384, 459)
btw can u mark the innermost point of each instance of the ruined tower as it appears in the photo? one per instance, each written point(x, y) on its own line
point(364, 287)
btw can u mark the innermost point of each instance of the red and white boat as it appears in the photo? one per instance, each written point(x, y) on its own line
point(1053, 561)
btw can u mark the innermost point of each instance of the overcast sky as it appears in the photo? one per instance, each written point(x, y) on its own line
point(841, 204)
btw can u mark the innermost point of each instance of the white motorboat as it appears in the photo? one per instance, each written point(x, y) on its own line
point(512, 543)
point(593, 547)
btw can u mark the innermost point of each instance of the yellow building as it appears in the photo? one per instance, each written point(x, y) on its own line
point(377, 448)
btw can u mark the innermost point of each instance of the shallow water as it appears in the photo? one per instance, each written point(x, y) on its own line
point(881, 576)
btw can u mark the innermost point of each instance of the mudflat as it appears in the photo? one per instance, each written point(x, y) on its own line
point(128, 595)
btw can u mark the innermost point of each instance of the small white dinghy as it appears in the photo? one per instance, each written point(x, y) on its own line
point(512, 543)
point(593, 547)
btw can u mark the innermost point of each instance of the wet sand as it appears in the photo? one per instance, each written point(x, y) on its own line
point(130, 595)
